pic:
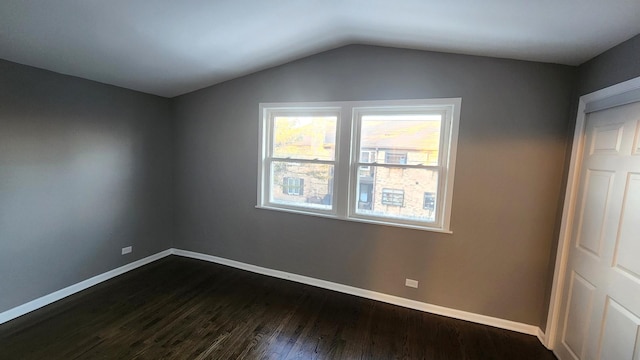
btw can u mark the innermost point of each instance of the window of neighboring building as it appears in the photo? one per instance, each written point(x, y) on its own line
point(392, 197)
point(396, 165)
point(395, 157)
point(293, 186)
point(429, 202)
point(367, 156)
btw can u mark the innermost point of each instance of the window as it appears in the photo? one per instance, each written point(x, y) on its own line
point(367, 156)
point(300, 158)
point(429, 203)
point(392, 197)
point(395, 166)
point(293, 186)
point(395, 158)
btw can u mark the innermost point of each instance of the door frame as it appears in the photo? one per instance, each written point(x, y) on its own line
point(618, 94)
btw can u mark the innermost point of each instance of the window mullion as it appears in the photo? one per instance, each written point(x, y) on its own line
point(343, 156)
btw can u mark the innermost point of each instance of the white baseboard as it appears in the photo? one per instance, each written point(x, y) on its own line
point(391, 299)
point(70, 290)
point(543, 338)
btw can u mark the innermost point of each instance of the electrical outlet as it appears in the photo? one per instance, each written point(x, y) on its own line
point(126, 250)
point(411, 283)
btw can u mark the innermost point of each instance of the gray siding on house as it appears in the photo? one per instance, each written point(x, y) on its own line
point(85, 169)
point(507, 187)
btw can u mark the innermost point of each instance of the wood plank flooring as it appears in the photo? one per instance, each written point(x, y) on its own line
point(179, 308)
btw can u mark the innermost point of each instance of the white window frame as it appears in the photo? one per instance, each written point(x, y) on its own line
point(346, 163)
point(268, 115)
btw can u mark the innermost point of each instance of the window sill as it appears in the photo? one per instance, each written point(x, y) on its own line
point(359, 220)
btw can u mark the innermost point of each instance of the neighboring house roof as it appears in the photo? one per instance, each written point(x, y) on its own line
point(407, 135)
point(404, 135)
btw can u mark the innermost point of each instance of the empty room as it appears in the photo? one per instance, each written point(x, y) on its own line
point(320, 179)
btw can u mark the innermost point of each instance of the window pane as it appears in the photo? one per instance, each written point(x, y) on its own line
point(390, 192)
point(302, 184)
point(401, 139)
point(304, 137)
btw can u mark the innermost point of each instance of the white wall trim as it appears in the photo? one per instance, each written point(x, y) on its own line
point(573, 179)
point(75, 288)
point(391, 299)
point(369, 294)
point(542, 337)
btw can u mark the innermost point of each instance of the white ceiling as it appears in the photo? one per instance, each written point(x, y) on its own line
point(169, 47)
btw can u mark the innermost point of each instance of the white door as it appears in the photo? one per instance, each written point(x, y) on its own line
point(600, 311)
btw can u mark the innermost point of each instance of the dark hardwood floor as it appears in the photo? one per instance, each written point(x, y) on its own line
point(179, 308)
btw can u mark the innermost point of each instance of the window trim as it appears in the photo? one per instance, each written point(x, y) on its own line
point(345, 196)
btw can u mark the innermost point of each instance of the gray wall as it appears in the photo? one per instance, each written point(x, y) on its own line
point(615, 65)
point(86, 169)
point(507, 187)
point(83, 173)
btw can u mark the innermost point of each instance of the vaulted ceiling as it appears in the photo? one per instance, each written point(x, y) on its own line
point(169, 48)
